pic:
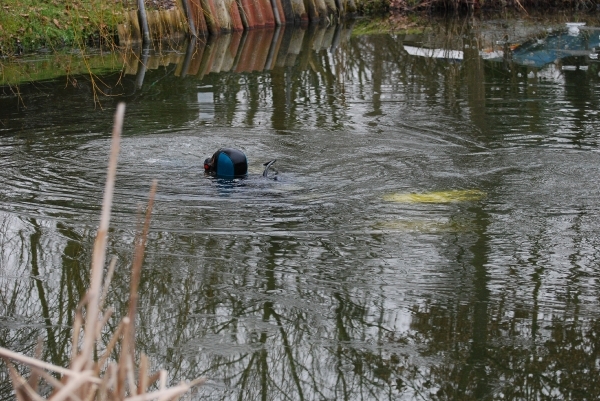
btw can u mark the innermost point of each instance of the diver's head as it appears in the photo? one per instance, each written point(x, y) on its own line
point(227, 163)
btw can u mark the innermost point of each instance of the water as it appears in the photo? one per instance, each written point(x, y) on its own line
point(318, 286)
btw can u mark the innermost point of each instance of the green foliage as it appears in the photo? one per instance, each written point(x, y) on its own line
point(384, 25)
point(27, 25)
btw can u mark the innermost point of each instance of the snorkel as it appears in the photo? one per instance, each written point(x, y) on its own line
point(267, 167)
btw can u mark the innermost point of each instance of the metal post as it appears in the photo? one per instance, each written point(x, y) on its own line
point(143, 22)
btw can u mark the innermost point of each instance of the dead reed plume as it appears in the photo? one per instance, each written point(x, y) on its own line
point(91, 375)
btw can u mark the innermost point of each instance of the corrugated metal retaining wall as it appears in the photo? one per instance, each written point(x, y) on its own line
point(213, 17)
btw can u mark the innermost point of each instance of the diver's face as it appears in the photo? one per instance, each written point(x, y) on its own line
point(208, 163)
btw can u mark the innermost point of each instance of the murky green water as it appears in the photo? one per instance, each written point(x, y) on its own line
point(333, 282)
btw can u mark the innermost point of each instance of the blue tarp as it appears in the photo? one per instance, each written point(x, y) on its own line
point(541, 52)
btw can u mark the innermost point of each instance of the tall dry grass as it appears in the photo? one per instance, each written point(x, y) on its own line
point(93, 374)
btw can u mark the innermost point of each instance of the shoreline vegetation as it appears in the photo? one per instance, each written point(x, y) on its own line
point(96, 49)
point(66, 39)
point(26, 26)
point(30, 26)
point(62, 31)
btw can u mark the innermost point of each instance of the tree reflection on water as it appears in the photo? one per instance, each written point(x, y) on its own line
point(295, 296)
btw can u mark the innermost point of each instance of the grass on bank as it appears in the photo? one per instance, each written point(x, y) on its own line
point(30, 25)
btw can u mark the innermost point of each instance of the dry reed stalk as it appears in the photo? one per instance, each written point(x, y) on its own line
point(86, 379)
point(92, 297)
point(521, 6)
point(143, 374)
point(35, 376)
point(48, 377)
point(107, 280)
point(29, 361)
point(22, 390)
point(111, 345)
point(136, 270)
point(77, 324)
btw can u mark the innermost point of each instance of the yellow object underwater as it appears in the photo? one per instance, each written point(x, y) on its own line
point(423, 226)
point(461, 195)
